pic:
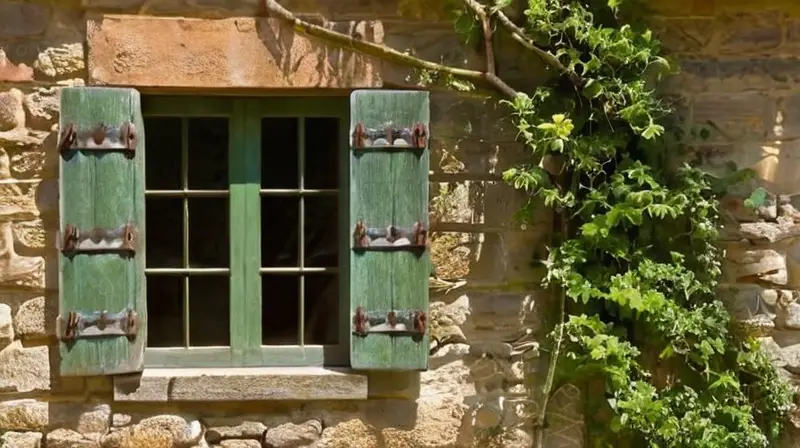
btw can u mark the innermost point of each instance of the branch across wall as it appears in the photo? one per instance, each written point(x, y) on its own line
point(383, 52)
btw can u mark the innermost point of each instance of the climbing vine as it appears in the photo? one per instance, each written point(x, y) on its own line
point(635, 263)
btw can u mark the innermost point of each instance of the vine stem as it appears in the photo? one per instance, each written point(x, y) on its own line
point(551, 371)
point(383, 52)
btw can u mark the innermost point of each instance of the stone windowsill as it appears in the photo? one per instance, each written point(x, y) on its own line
point(241, 384)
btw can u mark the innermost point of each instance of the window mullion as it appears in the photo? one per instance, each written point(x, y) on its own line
point(245, 229)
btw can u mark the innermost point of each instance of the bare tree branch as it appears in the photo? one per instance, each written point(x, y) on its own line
point(486, 24)
point(383, 52)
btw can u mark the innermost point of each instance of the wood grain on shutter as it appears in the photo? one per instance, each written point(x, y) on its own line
point(389, 188)
point(102, 189)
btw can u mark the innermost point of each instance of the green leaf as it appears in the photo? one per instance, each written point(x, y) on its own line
point(652, 131)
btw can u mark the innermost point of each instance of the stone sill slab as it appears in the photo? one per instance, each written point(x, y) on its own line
point(241, 384)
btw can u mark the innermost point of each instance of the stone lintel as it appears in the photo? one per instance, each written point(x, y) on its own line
point(241, 384)
point(242, 53)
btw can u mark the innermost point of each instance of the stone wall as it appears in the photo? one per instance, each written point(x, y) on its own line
point(740, 73)
point(485, 291)
point(739, 80)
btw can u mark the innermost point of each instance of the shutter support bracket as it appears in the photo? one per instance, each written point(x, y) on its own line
point(98, 324)
point(99, 138)
point(394, 322)
point(415, 137)
point(390, 237)
point(120, 239)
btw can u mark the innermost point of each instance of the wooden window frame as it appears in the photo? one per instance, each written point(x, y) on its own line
point(244, 198)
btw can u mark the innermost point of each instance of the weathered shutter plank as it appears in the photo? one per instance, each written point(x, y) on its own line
point(102, 189)
point(389, 188)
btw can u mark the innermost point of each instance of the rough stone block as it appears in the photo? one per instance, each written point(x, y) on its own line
point(6, 325)
point(26, 369)
point(791, 116)
point(24, 415)
point(21, 440)
point(242, 444)
point(685, 35)
point(751, 33)
point(746, 265)
point(30, 234)
point(65, 438)
point(42, 107)
point(17, 270)
point(243, 52)
point(243, 430)
point(792, 43)
point(21, 19)
point(14, 72)
point(12, 114)
point(30, 321)
point(159, 431)
point(291, 434)
point(63, 61)
point(741, 116)
point(752, 304)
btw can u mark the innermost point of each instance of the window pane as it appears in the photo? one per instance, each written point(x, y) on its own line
point(208, 153)
point(209, 239)
point(164, 240)
point(279, 313)
point(279, 226)
point(163, 161)
point(209, 311)
point(321, 309)
point(279, 153)
point(322, 153)
point(321, 231)
point(164, 311)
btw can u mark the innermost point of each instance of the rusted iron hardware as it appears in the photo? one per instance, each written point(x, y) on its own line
point(76, 325)
point(392, 322)
point(99, 138)
point(391, 236)
point(414, 137)
point(121, 239)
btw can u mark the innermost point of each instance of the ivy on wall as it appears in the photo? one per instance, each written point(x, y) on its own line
point(637, 261)
point(635, 265)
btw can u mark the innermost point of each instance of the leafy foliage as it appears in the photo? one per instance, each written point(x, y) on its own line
point(637, 260)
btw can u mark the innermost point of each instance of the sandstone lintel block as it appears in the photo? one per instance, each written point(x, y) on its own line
point(228, 53)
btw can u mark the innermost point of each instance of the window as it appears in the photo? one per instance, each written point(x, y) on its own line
point(230, 231)
point(245, 200)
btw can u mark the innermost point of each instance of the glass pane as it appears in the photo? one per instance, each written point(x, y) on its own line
point(164, 242)
point(279, 226)
point(164, 311)
point(209, 241)
point(163, 161)
point(321, 309)
point(280, 314)
point(322, 153)
point(279, 153)
point(208, 153)
point(321, 231)
point(209, 311)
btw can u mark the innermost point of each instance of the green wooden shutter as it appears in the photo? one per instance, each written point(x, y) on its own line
point(102, 305)
point(390, 261)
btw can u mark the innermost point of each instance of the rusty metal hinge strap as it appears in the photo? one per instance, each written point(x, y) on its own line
point(120, 239)
point(99, 138)
point(77, 325)
point(391, 236)
point(414, 137)
point(396, 322)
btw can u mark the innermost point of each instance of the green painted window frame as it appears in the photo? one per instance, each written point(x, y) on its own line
point(244, 199)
